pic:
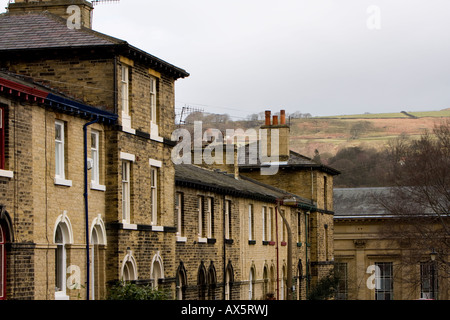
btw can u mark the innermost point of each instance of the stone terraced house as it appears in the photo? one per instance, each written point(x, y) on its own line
point(89, 194)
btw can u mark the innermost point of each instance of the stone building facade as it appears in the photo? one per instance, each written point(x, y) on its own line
point(376, 257)
point(73, 224)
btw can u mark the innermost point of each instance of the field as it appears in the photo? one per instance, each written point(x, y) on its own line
point(329, 134)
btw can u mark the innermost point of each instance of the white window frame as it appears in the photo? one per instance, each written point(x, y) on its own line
point(95, 157)
point(60, 156)
point(126, 189)
point(125, 89)
point(209, 217)
point(200, 209)
point(264, 222)
point(179, 209)
point(154, 195)
point(269, 224)
point(153, 101)
point(251, 232)
point(227, 219)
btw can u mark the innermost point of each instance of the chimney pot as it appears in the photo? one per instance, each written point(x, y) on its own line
point(268, 117)
point(275, 120)
point(282, 117)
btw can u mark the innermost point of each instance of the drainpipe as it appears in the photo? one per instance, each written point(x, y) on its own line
point(86, 208)
point(224, 251)
point(289, 252)
point(306, 254)
point(277, 209)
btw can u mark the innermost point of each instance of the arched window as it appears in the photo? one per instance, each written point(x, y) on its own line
point(201, 282)
point(129, 270)
point(157, 270)
point(229, 279)
point(6, 235)
point(2, 264)
point(212, 280)
point(251, 283)
point(98, 237)
point(181, 281)
point(266, 281)
point(62, 237)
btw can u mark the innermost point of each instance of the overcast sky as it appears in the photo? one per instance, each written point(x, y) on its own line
point(320, 57)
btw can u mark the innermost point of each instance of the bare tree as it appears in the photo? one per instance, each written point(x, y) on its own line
point(419, 200)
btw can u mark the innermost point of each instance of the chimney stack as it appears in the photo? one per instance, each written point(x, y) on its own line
point(56, 7)
point(278, 123)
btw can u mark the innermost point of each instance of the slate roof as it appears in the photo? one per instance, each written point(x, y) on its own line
point(222, 182)
point(359, 202)
point(295, 160)
point(43, 31)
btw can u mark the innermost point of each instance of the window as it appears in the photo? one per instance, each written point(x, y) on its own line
point(153, 111)
point(154, 195)
point(227, 219)
point(179, 206)
point(428, 281)
point(251, 223)
point(210, 217)
point(384, 289)
point(129, 271)
point(264, 221)
point(157, 270)
point(60, 154)
point(62, 238)
point(2, 265)
point(325, 193)
point(59, 149)
point(126, 191)
point(270, 225)
point(95, 156)
point(342, 287)
point(201, 220)
point(251, 284)
point(125, 90)
point(299, 227)
point(2, 137)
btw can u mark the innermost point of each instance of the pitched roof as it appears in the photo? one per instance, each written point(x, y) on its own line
point(43, 31)
point(295, 161)
point(359, 202)
point(222, 182)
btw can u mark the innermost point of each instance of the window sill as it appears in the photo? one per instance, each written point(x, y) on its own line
point(181, 239)
point(202, 240)
point(61, 296)
point(63, 182)
point(158, 228)
point(99, 187)
point(6, 173)
point(128, 130)
point(129, 226)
